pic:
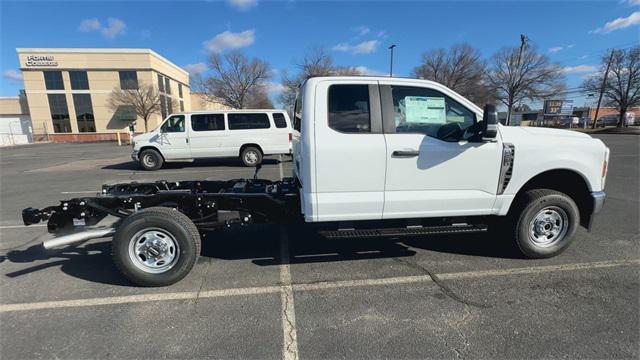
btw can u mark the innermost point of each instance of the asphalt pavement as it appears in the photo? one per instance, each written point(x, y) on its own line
point(287, 293)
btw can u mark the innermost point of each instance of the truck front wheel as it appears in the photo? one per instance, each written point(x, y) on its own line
point(545, 222)
point(151, 159)
point(156, 246)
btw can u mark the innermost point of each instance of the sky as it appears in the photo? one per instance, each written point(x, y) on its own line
point(356, 33)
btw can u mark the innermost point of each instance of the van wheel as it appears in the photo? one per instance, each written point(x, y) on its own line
point(545, 223)
point(151, 159)
point(251, 156)
point(156, 246)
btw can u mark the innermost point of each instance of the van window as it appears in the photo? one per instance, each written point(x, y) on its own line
point(243, 121)
point(349, 108)
point(173, 124)
point(278, 119)
point(207, 122)
point(297, 112)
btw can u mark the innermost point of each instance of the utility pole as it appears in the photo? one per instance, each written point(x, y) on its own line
point(604, 83)
point(523, 44)
point(391, 62)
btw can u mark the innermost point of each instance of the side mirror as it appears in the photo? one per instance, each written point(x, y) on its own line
point(489, 125)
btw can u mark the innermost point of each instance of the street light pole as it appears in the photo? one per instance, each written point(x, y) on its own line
point(391, 62)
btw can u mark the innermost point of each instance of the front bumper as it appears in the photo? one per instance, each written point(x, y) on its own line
point(134, 155)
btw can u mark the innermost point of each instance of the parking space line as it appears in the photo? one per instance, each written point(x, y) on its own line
point(286, 291)
point(290, 332)
point(80, 192)
point(20, 226)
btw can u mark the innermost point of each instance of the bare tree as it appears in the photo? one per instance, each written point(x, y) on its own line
point(258, 98)
point(234, 78)
point(316, 62)
point(143, 101)
point(460, 68)
point(519, 74)
point(622, 86)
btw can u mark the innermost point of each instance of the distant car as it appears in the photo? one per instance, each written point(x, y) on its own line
point(612, 120)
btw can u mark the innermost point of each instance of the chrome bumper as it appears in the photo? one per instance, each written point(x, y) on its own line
point(598, 201)
point(134, 156)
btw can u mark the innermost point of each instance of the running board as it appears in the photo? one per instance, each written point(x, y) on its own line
point(408, 231)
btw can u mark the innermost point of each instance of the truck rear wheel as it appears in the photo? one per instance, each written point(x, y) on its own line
point(545, 223)
point(156, 246)
point(251, 156)
point(151, 159)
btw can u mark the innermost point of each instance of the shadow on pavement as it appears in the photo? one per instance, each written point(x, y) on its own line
point(226, 162)
point(262, 245)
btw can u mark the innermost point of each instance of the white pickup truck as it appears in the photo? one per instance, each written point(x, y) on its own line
point(373, 156)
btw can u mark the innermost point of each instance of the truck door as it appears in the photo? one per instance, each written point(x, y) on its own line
point(173, 139)
point(432, 168)
point(349, 151)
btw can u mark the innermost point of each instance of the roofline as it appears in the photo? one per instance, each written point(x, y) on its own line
point(101, 51)
point(227, 111)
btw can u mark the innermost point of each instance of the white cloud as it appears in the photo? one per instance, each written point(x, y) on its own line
point(365, 47)
point(555, 49)
point(229, 40)
point(633, 2)
point(579, 69)
point(570, 46)
point(619, 23)
point(242, 4)
point(362, 30)
point(275, 88)
point(114, 27)
point(12, 75)
point(87, 25)
point(363, 70)
point(195, 69)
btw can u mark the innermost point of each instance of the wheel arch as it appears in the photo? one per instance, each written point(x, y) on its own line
point(150, 147)
point(567, 181)
point(244, 146)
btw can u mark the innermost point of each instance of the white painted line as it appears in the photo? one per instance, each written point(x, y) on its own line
point(114, 300)
point(280, 166)
point(81, 192)
point(21, 226)
point(290, 343)
point(286, 291)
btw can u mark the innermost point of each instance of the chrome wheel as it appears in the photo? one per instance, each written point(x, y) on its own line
point(251, 157)
point(549, 226)
point(149, 160)
point(153, 250)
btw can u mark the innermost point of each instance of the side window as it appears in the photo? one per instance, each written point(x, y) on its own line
point(173, 124)
point(349, 108)
point(430, 112)
point(278, 119)
point(207, 122)
point(241, 121)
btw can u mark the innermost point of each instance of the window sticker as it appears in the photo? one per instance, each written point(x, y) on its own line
point(423, 109)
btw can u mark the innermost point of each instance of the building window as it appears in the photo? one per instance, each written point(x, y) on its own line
point(128, 80)
point(167, 85)
point(53, 80)
point(181, 106)
point(59, 113)
point(84, 112)
point(242, 121)
point(160, 83)
point(180, 90)
point(169, 105)
point(79, 80)
point(278, 119)
point(163, 106)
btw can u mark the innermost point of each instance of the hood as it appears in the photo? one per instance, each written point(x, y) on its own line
point(555, 132)
point(143, 137)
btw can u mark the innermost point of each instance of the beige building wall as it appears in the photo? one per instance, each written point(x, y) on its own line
point(102, 67)
point(200, 102)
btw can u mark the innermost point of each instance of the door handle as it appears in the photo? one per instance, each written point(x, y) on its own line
point(405, 153)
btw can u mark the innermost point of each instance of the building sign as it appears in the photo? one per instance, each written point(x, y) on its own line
point(558, 107)
point(41, 60)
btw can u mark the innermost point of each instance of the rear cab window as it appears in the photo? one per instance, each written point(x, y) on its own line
point(207, 122)
point(349, 108)
point(279, 120)
point(247, 121)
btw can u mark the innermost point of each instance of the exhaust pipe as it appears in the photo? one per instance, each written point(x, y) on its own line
point(78, 237)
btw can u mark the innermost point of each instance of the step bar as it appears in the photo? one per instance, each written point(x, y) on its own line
point(405, 231)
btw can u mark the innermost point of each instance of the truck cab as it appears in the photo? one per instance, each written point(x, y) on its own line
point(376, 148)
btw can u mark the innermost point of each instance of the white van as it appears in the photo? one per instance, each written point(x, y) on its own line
point(247, 134)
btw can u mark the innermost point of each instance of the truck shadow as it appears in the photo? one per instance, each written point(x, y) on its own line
point(263, 246)
point(224, 162)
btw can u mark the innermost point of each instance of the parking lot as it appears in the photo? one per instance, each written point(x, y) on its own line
point(285, 292)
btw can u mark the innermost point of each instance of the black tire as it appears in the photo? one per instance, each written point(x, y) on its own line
point(251, 156)
point(172, 223)
point(151, 159)
point(535, 222)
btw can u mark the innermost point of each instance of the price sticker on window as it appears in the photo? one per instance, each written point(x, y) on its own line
point(424, 109)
